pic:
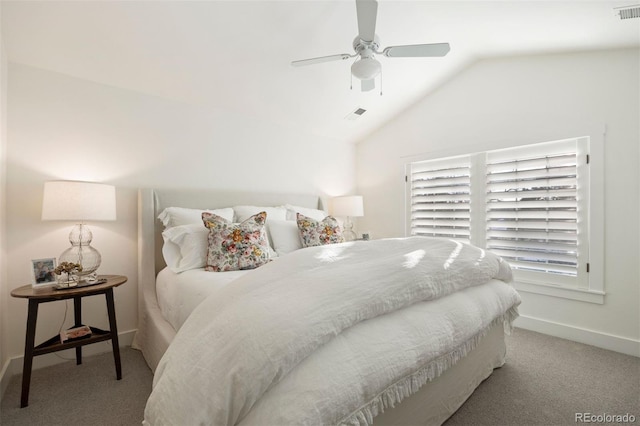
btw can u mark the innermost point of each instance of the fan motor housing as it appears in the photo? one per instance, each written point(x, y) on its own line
point(366, 48)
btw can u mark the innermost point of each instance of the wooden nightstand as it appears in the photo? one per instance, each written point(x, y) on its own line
point(50, 294)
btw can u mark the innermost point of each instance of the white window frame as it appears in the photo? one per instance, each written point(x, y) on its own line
point(589, 287)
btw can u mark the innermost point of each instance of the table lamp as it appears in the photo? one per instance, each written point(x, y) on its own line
point(348, 207)
point(80, 202)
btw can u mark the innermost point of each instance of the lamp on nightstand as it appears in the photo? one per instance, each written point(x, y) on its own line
point(80, 202)
point(348, 207)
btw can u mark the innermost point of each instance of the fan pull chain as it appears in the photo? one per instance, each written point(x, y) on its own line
point(380, 82)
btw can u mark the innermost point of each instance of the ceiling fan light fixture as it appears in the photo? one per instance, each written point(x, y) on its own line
point(366, 68)
point(366, 45)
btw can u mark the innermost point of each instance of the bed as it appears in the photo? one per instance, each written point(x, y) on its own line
point(304, 384)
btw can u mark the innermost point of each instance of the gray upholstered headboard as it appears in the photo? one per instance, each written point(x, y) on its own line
point(154, 332)
point(153, 201)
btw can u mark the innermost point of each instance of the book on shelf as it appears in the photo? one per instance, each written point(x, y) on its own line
point(75, 333)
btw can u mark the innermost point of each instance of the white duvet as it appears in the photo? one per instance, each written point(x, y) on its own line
point(330, 334)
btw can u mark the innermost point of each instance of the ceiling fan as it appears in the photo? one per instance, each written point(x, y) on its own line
point(366, 45)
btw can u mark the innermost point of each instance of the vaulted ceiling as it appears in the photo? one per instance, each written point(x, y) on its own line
point(237, 54)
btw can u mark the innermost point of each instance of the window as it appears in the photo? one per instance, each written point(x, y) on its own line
point(440, 198)
point(528, 204)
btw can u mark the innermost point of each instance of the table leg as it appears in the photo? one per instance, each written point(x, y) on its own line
point(77, 317)
point(114, 332)
point(28, 351)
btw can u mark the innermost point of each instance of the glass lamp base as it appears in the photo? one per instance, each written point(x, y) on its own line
point(88, 257)
point(348, 234)
point(81, 252)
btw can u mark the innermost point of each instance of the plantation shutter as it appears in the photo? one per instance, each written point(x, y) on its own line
point(440, 198)
point(532, 210)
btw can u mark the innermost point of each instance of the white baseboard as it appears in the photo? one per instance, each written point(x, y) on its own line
point(13, 366)
point(4, 382)
point(581, 335)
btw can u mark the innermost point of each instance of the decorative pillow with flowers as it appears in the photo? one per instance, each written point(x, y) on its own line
point(235, 246)
point(318, 233)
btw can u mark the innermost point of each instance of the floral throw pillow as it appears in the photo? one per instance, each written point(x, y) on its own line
point(235, 246)
point(318, 233)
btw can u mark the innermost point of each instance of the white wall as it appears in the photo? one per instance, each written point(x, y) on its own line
point(3, 162)
point(511, 101)
point(61, 127)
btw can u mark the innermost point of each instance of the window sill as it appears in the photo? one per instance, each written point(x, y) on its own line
point(589, 296)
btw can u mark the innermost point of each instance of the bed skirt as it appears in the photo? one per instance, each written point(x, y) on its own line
point(436, 401)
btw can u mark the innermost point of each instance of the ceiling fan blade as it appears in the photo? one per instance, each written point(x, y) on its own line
point(321, 59)
point(367, 11)
point(368, 85)
point(417, 50)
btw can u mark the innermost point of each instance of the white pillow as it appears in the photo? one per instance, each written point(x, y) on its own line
point(177, 216)
point(285, 236)
point(245, 212)
point(312, 213)
point(185, 247)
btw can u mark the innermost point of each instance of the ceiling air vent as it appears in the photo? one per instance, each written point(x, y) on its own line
point(628, 12)
point(354, 115)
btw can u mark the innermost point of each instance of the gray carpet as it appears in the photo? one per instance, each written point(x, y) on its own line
point(545, 382)
point(87, 394)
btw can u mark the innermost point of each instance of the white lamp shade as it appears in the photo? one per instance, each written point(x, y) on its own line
point(78, 201)
point(351, 206)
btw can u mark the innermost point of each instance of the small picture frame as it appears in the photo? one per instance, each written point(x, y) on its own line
point(42, 272)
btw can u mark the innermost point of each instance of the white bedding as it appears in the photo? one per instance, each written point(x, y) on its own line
point(330, 334)
point(179, 294)
point(408, 355)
